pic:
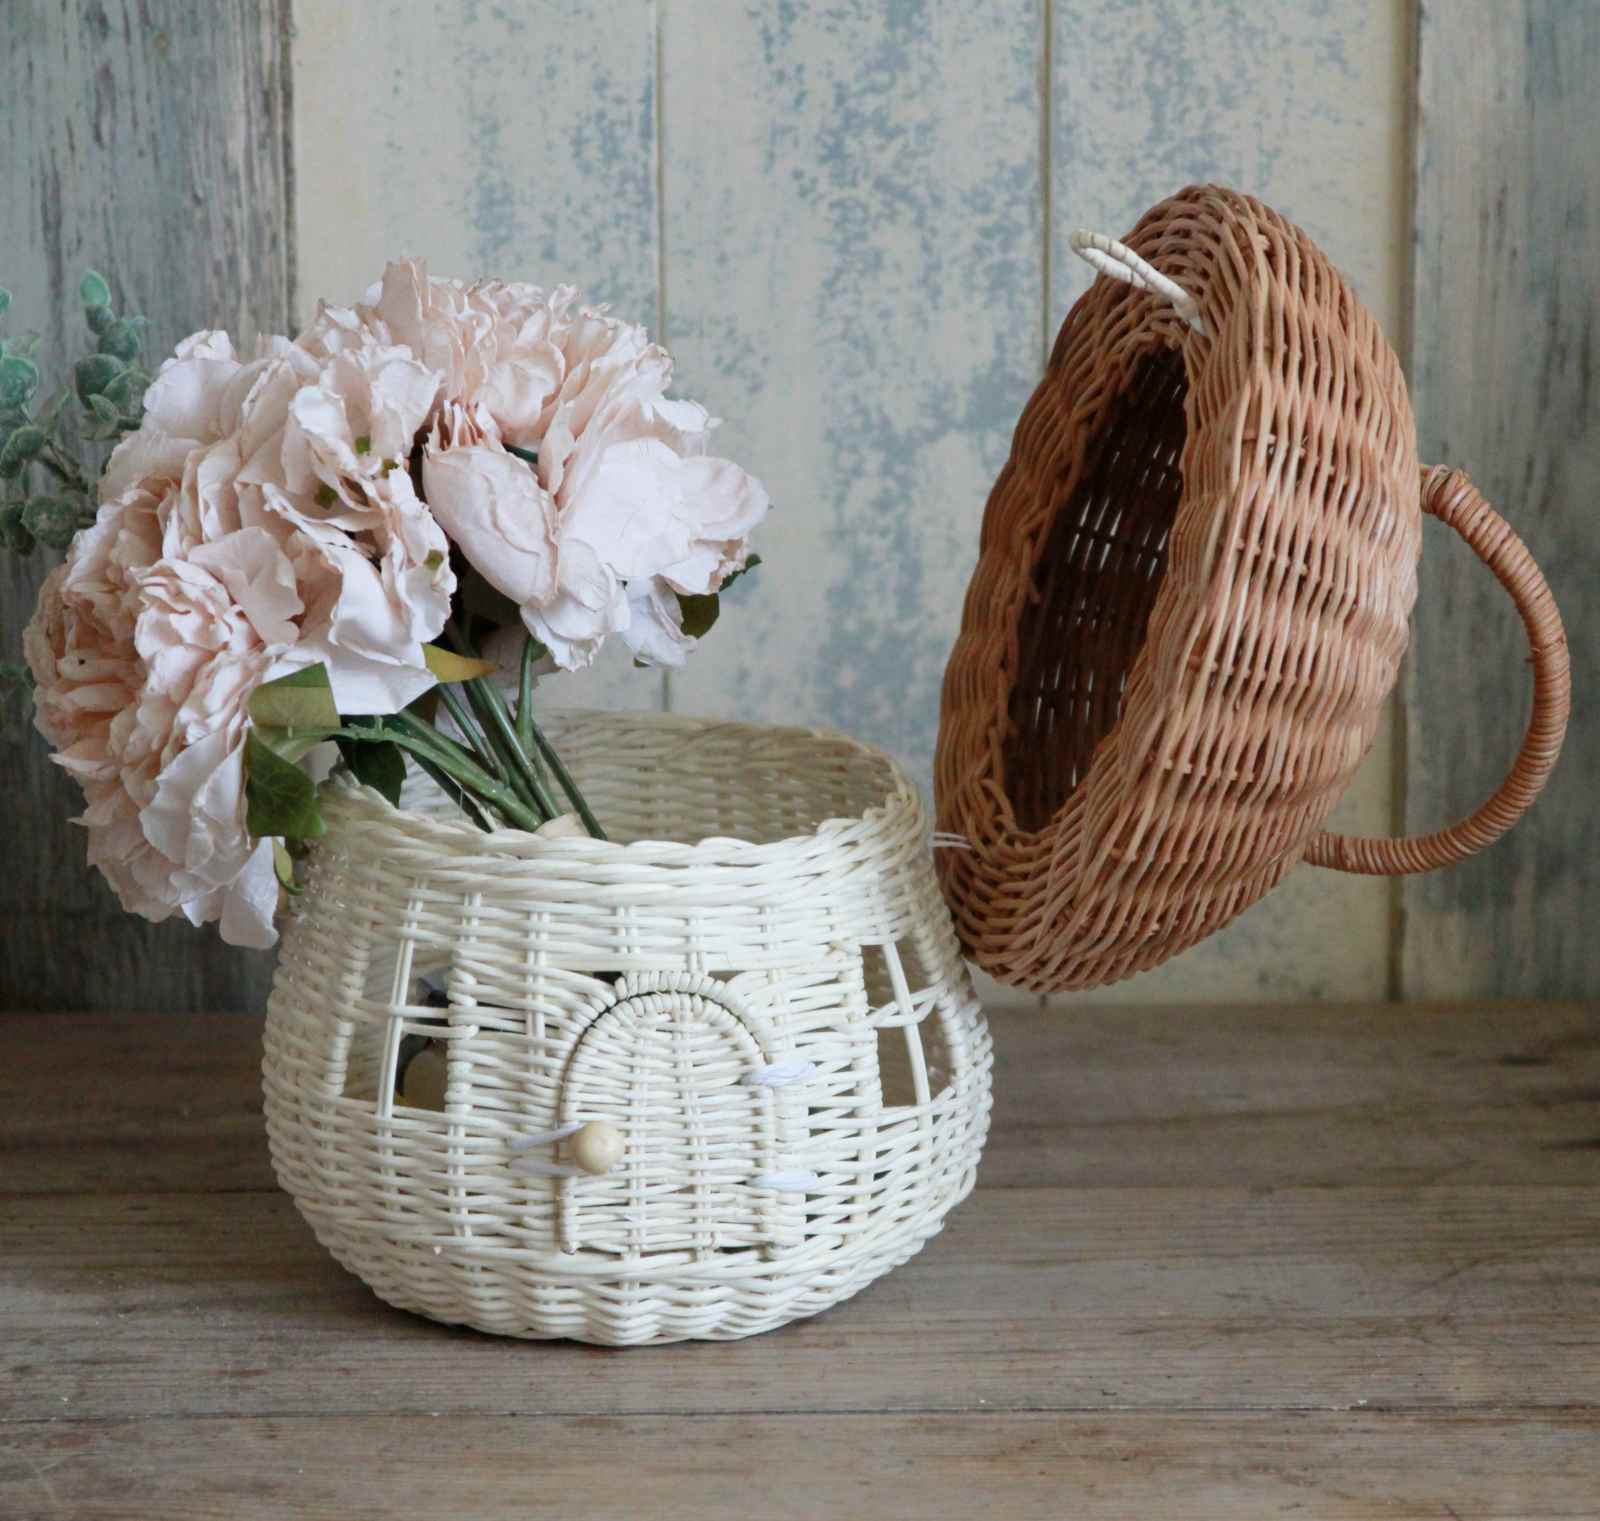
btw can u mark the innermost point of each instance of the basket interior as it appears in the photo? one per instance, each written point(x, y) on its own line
point(653, 777)
point(1094, 585)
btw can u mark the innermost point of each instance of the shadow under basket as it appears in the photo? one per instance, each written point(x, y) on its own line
point(1195, 577)
point(753, 993)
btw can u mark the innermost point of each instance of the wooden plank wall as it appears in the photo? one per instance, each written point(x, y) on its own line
point(859, 263)
point(849, 222)
point(1504, 378)
point(148, 138)
point(1303, 105)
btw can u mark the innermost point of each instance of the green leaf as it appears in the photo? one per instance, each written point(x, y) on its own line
point(19, 379)
point(446, 665)
point(123, 338)
point(283, 865)
point(699, 613)
point(100, 318)
point(280, 799)
point(5, 300)
point(291, 744)
point(21, 447)
point(379, 764)
point(13, 533)
point(93, 374)
point(744, 570)
point(300, 700)
point(126, 392)
point(93, 290)
point(52, 520)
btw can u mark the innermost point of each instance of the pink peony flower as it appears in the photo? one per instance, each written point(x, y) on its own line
point(144, 660)
point(269, 515)
point(261, 520)
point(622, 511)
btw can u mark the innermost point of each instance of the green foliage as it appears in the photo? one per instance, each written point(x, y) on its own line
point(744, 570)
point(283, 866)
point(123, 339)
point(19, 379)
point(13, 534)
point(94, 290)
point(302, 700)
point(16, 685)
point(93, 374)
point(376, 763)
point(21, 447)
point(53, 520)
point(108, 385)
point(280, 799)
point(699, 613)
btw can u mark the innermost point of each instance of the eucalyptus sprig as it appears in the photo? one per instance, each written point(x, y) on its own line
point(108, 385)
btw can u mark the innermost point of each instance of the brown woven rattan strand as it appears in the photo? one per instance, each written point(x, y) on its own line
point(1192, 595)
point(1449, 496)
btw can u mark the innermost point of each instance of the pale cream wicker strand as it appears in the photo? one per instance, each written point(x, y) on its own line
point(754, 984)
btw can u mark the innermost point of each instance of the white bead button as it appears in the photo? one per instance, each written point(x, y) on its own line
point(598, 1147)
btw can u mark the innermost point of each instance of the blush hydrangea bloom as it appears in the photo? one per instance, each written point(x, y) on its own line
point(224, 556)
point(300, 509)
point(620, 509)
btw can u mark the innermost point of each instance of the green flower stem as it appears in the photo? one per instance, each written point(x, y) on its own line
point(491, 708)
point(525, 693)
point(563, 776)
point(532, 739)
point(453, 790)
point(427, 744)
point(524, 742)
point(472, 733)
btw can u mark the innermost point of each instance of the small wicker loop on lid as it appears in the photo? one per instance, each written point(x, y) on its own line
point(1449, 496)
point(1121, 263)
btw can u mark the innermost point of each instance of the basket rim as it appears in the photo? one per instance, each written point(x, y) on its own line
point(899, 813)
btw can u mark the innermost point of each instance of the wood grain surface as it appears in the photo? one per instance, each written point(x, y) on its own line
point(1231, 1262)
point(1013, 1467)
point(148, 139)
point(1504, 364)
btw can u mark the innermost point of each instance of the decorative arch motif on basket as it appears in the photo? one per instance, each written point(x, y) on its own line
point(672, 1063)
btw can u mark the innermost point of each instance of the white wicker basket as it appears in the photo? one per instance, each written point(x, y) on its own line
point(775, 1018)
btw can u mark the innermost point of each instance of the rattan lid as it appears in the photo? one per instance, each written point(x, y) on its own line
point(1191, 601)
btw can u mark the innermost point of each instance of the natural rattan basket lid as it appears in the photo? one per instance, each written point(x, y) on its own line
point(1194, 581)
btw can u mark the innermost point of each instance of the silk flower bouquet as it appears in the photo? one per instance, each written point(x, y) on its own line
point(696, 1080)
point(380, 534)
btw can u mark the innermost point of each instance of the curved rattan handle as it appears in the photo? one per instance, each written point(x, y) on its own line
point(1453, 499)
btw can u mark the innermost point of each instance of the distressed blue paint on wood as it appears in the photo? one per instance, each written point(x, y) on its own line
point(853, 267)
point(139, 140)
point(1297, 103)
point(496, 139)
point(1505, 358)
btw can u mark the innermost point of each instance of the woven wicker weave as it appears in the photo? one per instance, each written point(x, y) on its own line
point(1192, 595)
point(775, 1020)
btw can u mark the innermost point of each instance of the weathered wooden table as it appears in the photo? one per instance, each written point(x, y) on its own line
point(1221, 1263)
